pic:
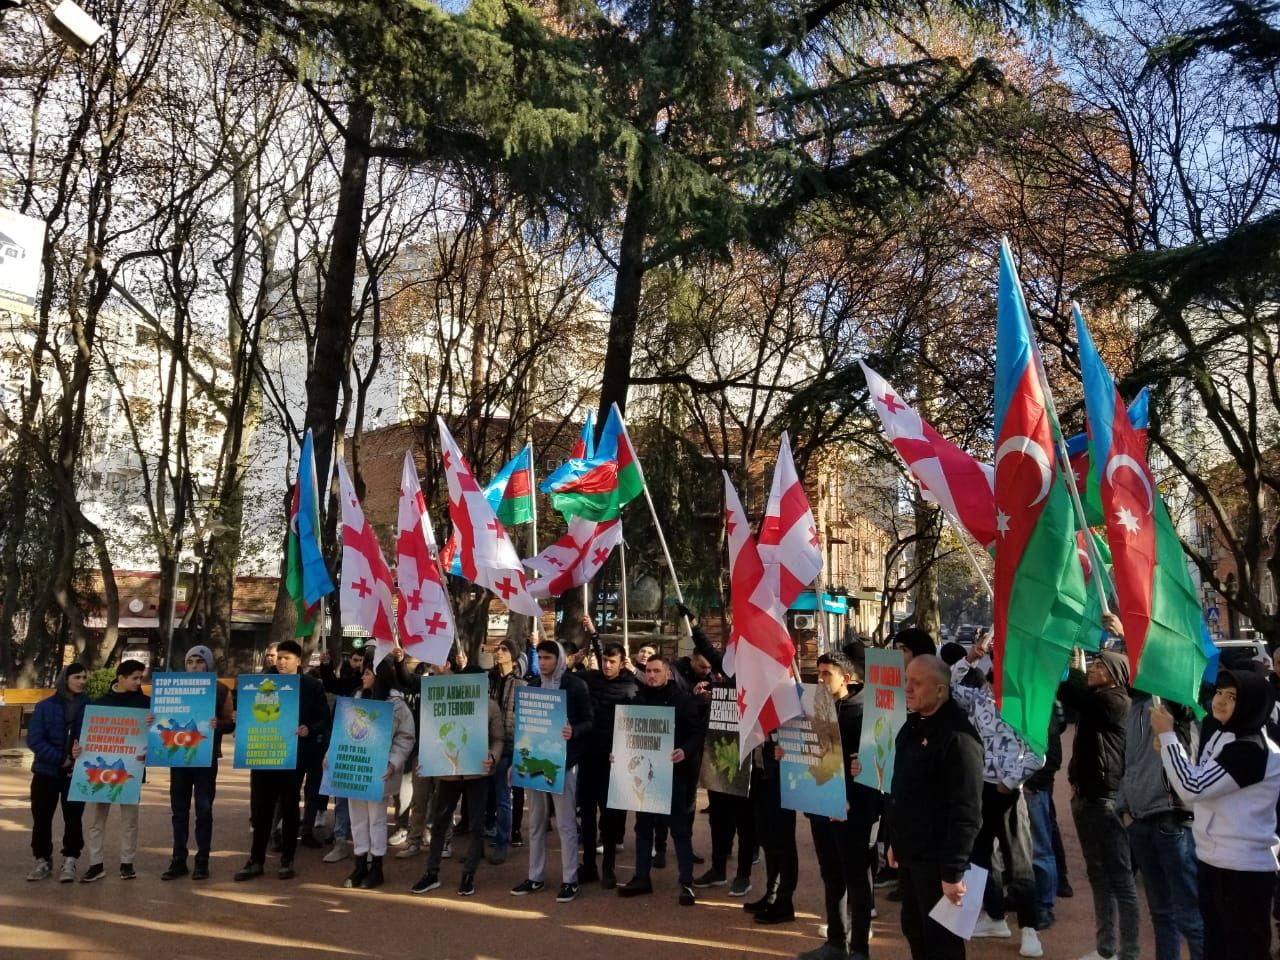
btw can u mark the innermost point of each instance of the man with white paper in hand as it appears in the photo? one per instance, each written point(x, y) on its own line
point(934, 808)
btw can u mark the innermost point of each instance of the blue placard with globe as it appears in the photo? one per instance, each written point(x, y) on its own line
point(541, 750)
point(454, 739)
point(267, 721)
point(183, 705)
point(358, 750)
point(812, 767)
point(640, 777)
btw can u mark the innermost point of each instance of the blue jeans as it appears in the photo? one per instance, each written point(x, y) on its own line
point(184, 783)
point(1043, 862)
point(341, 819)
point(503, 790)
point(1165, 854)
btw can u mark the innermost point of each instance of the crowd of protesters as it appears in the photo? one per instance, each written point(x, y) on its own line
point(1188, 806)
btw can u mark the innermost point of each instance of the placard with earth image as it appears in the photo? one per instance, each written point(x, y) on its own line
point(541, 750)
point(454, 739)
point(267, 721)
point(358, 749)
point(640, 777)
point(812, 767)
point(183, 705)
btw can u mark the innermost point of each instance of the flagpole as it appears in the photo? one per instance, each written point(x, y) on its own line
point(964, 542)
point(662, 540)
point(533, 501)
point(1104, 582)
point(626, 615)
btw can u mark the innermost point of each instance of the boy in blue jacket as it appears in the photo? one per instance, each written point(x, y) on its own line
point(54, 738)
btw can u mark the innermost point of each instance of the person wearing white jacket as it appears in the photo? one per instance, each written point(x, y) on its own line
point(368, 817)
point(1232, 792)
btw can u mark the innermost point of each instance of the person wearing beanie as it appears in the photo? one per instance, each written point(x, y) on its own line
point(126, 693)
point(1100, 697)
point(54, 738)
point(914, 642)
point(198, 783)
point(1232, 792)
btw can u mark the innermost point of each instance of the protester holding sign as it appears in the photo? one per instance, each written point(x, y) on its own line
point(126, 693)
point(536, 775)
point(661, 691)
point(198, 783)
point(281, 784)
point(53, 736)
point(457, 711)
point(369, 815)
point(727, 781)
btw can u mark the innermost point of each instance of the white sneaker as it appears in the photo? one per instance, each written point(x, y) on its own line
point(341, 850)
point(986, 927)
point(410, 850)
point(41, 870)
point(399, 838)
point(68, 874)
point(1031, 946)
point(447, 852)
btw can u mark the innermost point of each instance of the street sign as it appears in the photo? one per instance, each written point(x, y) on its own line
point(1211, 615)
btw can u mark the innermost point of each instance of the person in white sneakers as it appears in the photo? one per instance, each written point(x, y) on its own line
point(53, 736)
point(1007, 762)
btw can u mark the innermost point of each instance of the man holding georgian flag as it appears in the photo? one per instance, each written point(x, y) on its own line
point(366, 579)
point(424, 617)
point(575, 558)
point(487, 555)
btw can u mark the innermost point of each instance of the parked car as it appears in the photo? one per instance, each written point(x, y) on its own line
point(1235, 654)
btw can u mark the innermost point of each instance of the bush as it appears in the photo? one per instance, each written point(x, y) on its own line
point(100, 681)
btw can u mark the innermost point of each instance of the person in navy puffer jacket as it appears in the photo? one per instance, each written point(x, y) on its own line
point(53, 736)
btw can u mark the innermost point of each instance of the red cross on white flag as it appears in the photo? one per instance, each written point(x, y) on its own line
point(760, 650)
point(575, 558)
point(487, 555)
point(424, 618)
point(789, 545)
point(366, 578)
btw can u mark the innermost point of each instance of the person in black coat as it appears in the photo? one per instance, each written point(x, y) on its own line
point(842, 846)
point(935, 806)
point(269, 787)
point(660, 690)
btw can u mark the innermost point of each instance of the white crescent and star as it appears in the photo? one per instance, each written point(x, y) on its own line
point(1120, 460)
point(1029, 448)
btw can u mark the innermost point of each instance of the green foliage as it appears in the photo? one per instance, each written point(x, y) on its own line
point(99, 682)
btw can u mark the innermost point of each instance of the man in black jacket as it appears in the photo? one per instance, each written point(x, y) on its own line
point(609, 686)
point(842, 846)
point(660, 690)
point(126, 691)
point(269, 787)
point(935, 807)
point(1100, 697)
point(553, 674)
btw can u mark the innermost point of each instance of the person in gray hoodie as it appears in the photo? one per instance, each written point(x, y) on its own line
point(1160, 837)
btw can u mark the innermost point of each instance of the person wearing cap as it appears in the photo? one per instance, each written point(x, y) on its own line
point(54, 738)
point(1100, 697)
point(914, 642)
point(1232, 792)
point(198, 783)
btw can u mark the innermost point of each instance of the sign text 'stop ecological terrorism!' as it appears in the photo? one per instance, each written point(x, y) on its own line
point(454, 740)
point(541, 749)
point(184, 706)
point(113, 745)
point(267, 721)
point(359, 749)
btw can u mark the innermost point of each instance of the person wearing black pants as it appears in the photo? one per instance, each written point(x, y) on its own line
point(267, 788)
point(52, 736)
point(776, 829)
point(730, 815)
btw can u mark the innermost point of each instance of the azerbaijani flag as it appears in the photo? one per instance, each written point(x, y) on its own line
point(1163, 627)
point(306, 575)
point(598, 487)
point(1086, 480)
point(583, 449)
point(1039, 584)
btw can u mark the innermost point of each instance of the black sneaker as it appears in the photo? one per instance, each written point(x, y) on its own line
point(755, 906)
point(636, 887)
point(660, 859)
point(712, 878)
point(687, 899)
point(1065, 891)
point(127, 871)
point(286, 871)
point(527, 886)
point(201, 871)
point(517, 839)
point(249, 871)
point(740, 887)
point(568, 892)
point(176, 869)
point(426, 883)
point(467, 885)
point(95, 872)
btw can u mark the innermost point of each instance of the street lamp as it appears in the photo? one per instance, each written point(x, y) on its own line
point(68, 20)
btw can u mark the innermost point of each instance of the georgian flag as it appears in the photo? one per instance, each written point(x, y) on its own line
point(366, 579)
point(425, 618)
point(760, 651)
point(789, 545)
point(575, 558)
point(488, 557)
point(949, 477)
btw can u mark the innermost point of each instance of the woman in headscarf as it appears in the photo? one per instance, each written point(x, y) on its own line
point(1232, 791)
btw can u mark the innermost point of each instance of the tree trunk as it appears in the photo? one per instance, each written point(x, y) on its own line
point(627, 288)
point(926, 569)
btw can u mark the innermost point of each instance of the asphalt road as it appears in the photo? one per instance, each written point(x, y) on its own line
point(313, 917)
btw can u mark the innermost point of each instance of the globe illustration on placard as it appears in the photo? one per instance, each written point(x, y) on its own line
point(640, 772)
point(266, 703)
point(360, 725)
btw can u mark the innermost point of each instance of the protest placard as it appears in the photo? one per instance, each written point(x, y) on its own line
point(184, 706)
point(541, 750)
point(112, 739)
point(640, 777)
point(812, 767)
point(454, 738)
point(359, 749)
point(722, 769)
point(883, 715)
point(266, 721)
